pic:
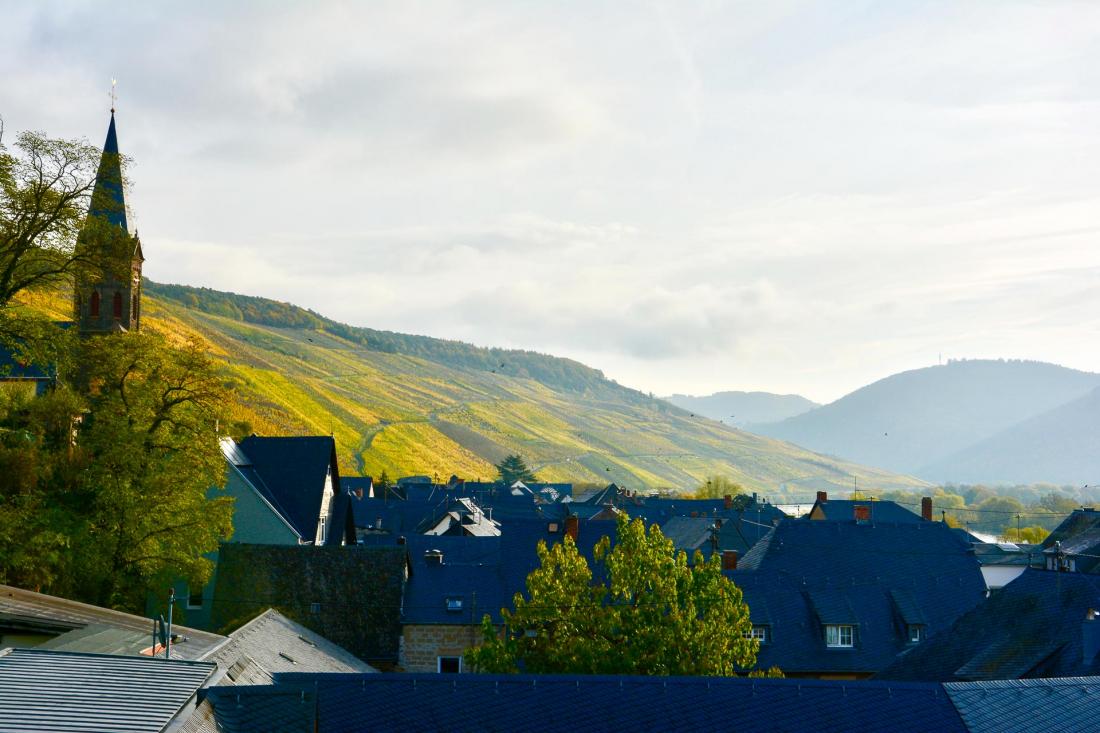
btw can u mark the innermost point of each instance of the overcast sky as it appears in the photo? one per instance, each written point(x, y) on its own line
point(785, 196)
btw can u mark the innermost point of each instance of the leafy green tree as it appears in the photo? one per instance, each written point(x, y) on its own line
point(717, 487)
point(513, 469)
point(124, 506)
point(1033, 535)
point(153, 457)
point(645, 611)
point(45, 190)
point(382, 485)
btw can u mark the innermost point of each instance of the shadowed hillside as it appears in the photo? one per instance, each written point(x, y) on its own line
point(744, 408)
point(413, 404)
point(914, 419)
point(1059, 446)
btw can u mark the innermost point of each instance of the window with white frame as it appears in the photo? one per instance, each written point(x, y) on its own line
point(760, 632)
point(449, 665)
point(839, 635)
point(915, 633)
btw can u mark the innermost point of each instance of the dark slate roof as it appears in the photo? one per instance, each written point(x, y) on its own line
point(485, 573)
point(1024, 706)
point(107, 198)
point(582, 704)
point(292, 474)
point(1079, 537)
point(273, 643)
point(1030, 628)
point(24, 610)
point(843, 510)
point(875, 577)
point(349, 595)
point(690, 533)
point(54, 692)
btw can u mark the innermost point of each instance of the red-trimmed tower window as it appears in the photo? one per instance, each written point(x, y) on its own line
point(93, 307)
point(118, 305)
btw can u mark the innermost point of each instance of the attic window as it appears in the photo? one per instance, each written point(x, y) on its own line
point(760, 632)
point(915, 633)
point(454, 604)
point(449, 665)
point(839, 635)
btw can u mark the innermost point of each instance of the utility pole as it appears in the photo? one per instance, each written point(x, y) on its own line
point(168, 636)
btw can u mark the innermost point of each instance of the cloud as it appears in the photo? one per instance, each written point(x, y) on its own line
point(793, 196)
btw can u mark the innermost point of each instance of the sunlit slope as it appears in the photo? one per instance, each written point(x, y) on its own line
point(409, 414)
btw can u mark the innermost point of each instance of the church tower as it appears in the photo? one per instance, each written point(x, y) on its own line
point(107, 297)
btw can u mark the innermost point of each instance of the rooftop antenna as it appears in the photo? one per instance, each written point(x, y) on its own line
point(113, 95)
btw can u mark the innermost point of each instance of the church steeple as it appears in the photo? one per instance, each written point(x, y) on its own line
point(110, 300)
point(108, 200)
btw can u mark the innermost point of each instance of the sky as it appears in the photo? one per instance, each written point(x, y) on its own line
point(796, 197)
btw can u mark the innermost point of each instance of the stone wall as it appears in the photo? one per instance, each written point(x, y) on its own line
point(421, 645)
point(349, 595)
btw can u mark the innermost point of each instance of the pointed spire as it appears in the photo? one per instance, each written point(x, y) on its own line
point(107, 198)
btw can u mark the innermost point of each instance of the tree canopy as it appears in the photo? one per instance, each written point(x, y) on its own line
point(114, 474)
point(513, 469)
point(46, 188)
point(717, 487)
point(643, 609)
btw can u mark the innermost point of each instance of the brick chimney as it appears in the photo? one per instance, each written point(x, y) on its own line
point(727, 502)
point(926, 508)
point(572, 525)
point(822, 497)
point(729, 559)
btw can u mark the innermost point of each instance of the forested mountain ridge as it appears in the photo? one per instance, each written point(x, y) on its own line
point(910, 421)
point(412, 404)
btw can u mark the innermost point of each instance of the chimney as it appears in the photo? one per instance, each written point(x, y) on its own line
point(822, 497)
point(378, 522)
point(572, 525)
point(727, 502)
point(359, 492)
point(729, 559)
point(695, 515)
point(433, 557)
point(861, 513)
point(1090, 636)
point(926, 508)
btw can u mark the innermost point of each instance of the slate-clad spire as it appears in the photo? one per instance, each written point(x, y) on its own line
point(107, 199)
point(107, 298)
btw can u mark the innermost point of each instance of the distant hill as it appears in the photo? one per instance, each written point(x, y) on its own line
point(911, 421)
point(1059, 446)
point(417, 405)
point(744, 408)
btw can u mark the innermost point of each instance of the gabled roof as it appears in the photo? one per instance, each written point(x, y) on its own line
point(582, 704)
point(1030, 628)
point(1078, 536)
point(54, 692)
point(273, 643)
point(1024, 706)
point(37, 612)
point(877, 578)
point(291, 473)
point(689, 533)
point(843, 510)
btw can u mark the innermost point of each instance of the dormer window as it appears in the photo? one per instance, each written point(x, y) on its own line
point(454, 604)
point(760, 632)
point(915, 633)
point(840, 636)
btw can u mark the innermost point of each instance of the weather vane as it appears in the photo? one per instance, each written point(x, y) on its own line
point(113, 95)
